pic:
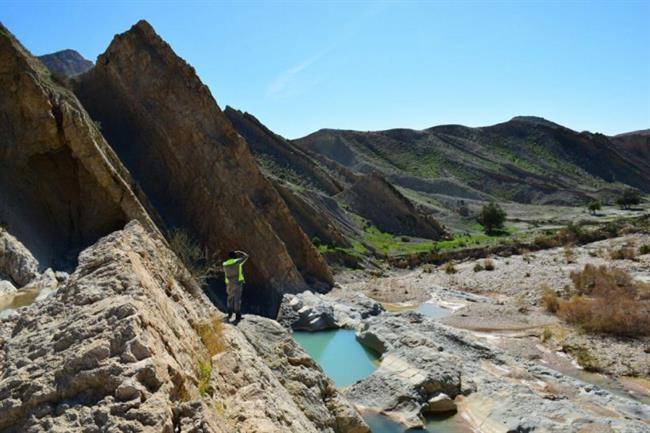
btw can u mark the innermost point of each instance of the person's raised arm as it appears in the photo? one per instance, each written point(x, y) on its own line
point(242, 256)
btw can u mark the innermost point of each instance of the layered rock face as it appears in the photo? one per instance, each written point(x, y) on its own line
point(129, 343)
point(199, 174)
point(67, 63)
point(380, 203)
point(329, 201)
point(61, 185)
point(282, 158)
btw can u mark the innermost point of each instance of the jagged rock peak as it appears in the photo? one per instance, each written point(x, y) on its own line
point(198, 172)
point(68, 63)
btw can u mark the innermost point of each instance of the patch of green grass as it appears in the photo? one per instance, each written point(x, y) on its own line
point(357, 249)
point(203, 373)
point(393, 244)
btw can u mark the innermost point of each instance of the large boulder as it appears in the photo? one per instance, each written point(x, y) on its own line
point(309, 311)
point(129, 343)
point(198, 172)
point(407, 382)
point(16, 262)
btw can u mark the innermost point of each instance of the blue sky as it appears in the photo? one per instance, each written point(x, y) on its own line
point(302, 66)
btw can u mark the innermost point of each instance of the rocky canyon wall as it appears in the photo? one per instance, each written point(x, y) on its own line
point(198, 172)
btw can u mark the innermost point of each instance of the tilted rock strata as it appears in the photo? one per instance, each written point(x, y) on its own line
point(314, 393)
point(116, 349)
point(61, 185)
point(384, 206)
point(168, 129)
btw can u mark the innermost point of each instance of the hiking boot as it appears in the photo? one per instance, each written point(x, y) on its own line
point(237, 317)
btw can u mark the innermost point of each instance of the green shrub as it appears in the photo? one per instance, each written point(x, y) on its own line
point(628, 198)
point(203, 375)
point(478, 267)
point(593, 207)
point(492, 218)
point(644, 249)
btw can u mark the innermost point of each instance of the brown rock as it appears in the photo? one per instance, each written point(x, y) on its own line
point(200, 175)
point(118, 349)
point(61, 185)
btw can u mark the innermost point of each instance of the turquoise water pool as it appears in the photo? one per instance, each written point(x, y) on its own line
point(432, 310)
point(339, 354)
point(346, 361)
point(381, 424)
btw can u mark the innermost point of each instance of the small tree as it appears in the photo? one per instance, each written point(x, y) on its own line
point(594, 207)
point(492, 217)
point(628, 198)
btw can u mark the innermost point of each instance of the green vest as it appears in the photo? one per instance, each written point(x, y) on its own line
point(228, 266)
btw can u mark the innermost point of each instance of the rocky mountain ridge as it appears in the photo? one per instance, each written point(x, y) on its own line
point(68, 63)
point(330, 202)
point(527, 160)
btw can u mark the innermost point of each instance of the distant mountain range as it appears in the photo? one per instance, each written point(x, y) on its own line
point(527, 160)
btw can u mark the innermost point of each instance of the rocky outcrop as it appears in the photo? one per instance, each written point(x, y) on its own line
point(61, 185)
point(200, 175)
point(129, 343)
point(428, 368)
point(425, 364)
point(319, 216)
point(315, 312)
point(16, 262)
point(384, 206)
point(305, 185)
point(299, 374)
point(66, 63)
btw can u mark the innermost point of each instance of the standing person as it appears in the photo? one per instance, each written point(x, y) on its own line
point(233, 268)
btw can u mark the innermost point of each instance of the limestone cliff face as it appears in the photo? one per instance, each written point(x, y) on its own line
point(198, 172)
point(129, 343)
point(61, 185)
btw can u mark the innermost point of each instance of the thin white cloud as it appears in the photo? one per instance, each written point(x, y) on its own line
point(282, 82)
point(285, 83)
